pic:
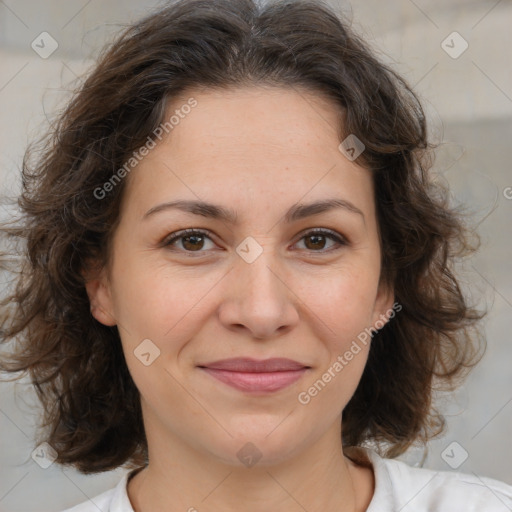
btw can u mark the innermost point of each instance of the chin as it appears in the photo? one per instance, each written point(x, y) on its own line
point(259, 445)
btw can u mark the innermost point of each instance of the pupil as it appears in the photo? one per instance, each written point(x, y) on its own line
point(193, 237)
point(316, 237)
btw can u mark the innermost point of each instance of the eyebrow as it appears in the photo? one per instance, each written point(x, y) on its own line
point(296, 212)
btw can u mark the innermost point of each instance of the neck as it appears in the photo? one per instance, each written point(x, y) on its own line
point(180, 477)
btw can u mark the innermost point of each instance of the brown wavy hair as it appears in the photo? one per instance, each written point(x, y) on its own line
point(91, 406)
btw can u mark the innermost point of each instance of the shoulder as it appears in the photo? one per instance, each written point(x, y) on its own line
point(101, 502)
point(112, 500)
point(405, 488)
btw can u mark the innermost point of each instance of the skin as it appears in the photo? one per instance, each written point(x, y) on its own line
point(258, 151)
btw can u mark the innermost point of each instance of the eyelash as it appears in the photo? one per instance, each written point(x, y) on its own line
point(340, 241)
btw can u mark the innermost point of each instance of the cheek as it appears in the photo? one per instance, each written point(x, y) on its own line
point(344, 308)
point(341, 303)
point(153, 302)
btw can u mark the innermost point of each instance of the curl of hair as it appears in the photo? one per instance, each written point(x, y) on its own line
point(92, 413)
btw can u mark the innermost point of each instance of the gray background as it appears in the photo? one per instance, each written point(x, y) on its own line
point(469, 101)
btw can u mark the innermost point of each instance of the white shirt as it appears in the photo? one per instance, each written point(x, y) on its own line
point(398, 487)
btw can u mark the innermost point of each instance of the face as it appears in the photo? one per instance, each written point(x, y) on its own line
point(263, 284)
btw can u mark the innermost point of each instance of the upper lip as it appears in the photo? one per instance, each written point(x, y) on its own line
point(247, 364)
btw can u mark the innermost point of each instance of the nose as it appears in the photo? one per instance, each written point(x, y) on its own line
point(259, 298)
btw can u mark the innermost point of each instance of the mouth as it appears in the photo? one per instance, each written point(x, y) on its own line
point(256, 376)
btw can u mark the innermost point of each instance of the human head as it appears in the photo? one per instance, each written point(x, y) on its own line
point(299, 45)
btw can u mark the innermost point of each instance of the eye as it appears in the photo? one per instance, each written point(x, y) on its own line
point(318, 238)
point(193, 240)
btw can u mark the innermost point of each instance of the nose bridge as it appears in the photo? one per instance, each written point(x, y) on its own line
point(258, 269)
point(260, 299)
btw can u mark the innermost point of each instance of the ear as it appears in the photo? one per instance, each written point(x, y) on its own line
point(99, 292)
point(384, 307)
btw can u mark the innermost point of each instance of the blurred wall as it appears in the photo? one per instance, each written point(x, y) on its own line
point(468, 95)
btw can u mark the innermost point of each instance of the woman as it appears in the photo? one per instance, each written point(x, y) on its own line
point(238, 274)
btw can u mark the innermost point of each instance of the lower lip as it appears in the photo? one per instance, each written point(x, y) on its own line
point(257, 382)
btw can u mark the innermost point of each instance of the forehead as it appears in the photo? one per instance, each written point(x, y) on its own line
point(257, 142)
point(276, 117)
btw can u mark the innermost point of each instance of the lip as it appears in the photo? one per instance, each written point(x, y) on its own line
point(256, 376)
point(248, 364)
